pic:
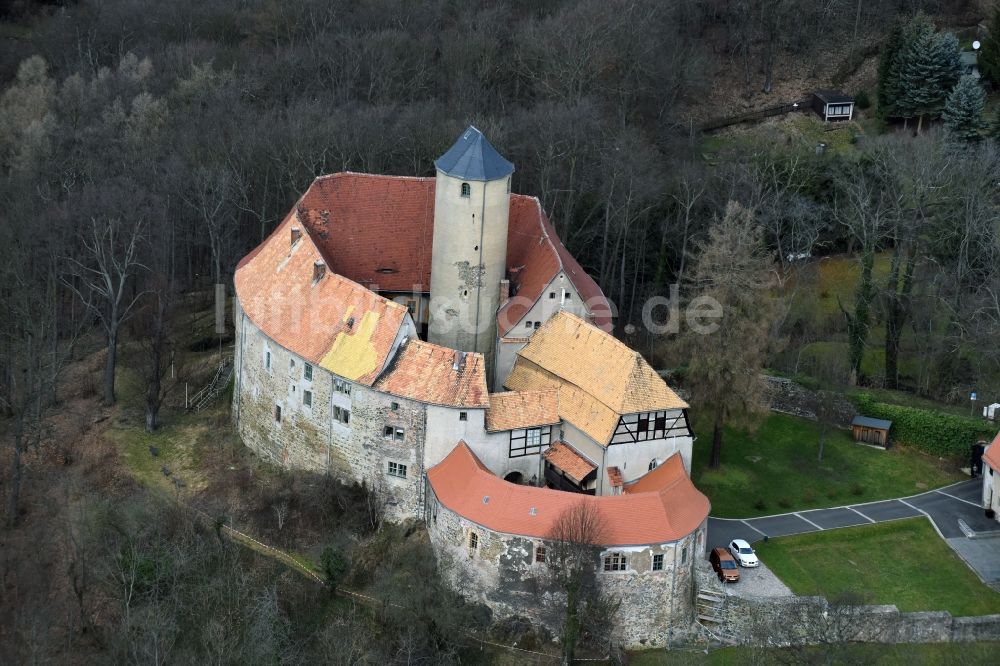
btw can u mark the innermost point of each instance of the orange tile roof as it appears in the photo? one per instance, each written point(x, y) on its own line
point(334, 323)
point(569, 460)
point(599, 378)
point(522, 409)
point(992, 455)
point(426, 372)
point(671, 468)
point(665, 514)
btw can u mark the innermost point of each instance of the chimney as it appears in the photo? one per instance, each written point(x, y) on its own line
point(350, 323)
point(319, 270)
point(296, 235)
point(504, 291)
point(458, 364)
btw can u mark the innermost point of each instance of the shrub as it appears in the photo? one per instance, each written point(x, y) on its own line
point(809, 496)
point(785, 503)
point(857, 489)
point(861, 100)
point(832, 493)
point(937, 433)
point(334, 566)
point(760, 505)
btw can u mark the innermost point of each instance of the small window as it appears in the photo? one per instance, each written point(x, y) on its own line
point(552, 294)
point(538, 325)
point(307, 398)
point(277, 413)
point(463, 416)
point(291, 364)
point(307, 372)
point(660, 423)
point(540, 554)
point(643, 424)
point(342, 386)
point(527, 324)
point(267, 359)
point(684, 555)
point(658, 562)
point(473, 541)
point(394, 406)
point(341, 414)
point(616, 562)
point(391, 432)
point(533, 437)
point(397, 469)
point(466, 190)
point(652, 464)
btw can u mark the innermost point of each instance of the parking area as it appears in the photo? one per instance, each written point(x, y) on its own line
point(954, 511)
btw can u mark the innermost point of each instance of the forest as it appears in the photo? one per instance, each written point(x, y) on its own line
point(145, 148)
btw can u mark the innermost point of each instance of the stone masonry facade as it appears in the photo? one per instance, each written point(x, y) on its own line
point(502, 571)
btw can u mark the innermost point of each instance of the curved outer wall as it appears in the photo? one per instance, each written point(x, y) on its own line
point(656, 606)
point(468, 263)
point(309, 438)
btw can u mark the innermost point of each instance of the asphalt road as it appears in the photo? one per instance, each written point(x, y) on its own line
point(944, 506)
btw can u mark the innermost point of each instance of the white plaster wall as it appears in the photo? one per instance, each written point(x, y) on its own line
point(566, 298)
point(633, 459)
point(468, 262)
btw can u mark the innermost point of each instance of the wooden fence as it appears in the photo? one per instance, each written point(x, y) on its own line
point(754, 116)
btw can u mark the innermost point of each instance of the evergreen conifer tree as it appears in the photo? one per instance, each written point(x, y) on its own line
point(989, 55)
point(931, 66)
point(963, 112)
point(888, 72)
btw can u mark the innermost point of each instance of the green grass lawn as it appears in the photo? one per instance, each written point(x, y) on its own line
point(908, 654)
point(774, 469)
point(903, 563)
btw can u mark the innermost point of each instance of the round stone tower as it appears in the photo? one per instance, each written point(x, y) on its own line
point(471, 211)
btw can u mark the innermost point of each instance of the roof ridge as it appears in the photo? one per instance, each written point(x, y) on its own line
point(363, 174)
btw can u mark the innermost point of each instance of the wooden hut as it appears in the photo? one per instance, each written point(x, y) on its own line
point(871, 431)
point(833, 105)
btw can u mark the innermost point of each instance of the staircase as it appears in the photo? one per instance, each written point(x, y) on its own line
point(710, 609)
point(207, 395)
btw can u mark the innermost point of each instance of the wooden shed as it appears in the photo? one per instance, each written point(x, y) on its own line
point(833, 105)
point(871, 431)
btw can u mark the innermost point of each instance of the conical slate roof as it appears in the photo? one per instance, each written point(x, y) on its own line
point(473, 158)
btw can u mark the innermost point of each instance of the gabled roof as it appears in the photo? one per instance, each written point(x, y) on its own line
point(522, 409)
point(992, 455)
point(570, 461)
point(473, 157)
point(334, 323)
point(834, 97)
point(599, 378)
point(670, 469)
point(436, 375)
point(669, 512)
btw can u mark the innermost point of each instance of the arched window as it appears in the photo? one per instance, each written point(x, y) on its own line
point(466, 190)
point(652, 464)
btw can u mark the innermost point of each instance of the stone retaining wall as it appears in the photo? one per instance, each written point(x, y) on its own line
point(790, 397)
point(817, 621)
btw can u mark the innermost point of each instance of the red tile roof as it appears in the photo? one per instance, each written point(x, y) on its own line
point(992, 455)
point(426, 372)
point(375, 230)
point(667, 513)
point(615, 477)
point(334, 323)
point(378, 231)
point(671, 468)
point(569, 460)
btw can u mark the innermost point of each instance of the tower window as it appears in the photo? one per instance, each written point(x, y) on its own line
point(466, 190)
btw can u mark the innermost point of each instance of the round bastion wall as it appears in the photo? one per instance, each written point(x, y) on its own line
point(503, 571)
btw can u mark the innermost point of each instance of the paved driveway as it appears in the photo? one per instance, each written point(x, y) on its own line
point(945, 507)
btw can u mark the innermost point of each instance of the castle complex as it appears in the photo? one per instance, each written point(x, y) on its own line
point(432, 338)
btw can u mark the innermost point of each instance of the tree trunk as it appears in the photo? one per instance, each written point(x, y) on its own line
point(716, 460)
point(14, 496)
point(109, 367)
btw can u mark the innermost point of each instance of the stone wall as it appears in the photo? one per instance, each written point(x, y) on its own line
point(501, 572)
point(786, 621)
point(790, 397)
point(310, 438)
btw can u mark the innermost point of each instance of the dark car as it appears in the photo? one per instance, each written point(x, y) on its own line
point(725, 565)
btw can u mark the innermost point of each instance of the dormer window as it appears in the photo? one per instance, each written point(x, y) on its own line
point(466, 190)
